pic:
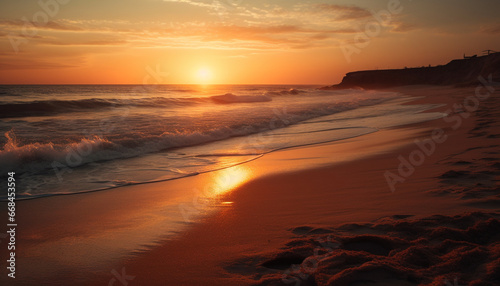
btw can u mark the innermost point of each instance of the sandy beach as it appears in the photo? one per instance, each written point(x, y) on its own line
point(317, 215)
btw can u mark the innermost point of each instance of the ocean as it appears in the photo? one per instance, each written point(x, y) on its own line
point(66, 139)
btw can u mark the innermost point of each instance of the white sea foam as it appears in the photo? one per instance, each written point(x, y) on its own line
point(167, 133)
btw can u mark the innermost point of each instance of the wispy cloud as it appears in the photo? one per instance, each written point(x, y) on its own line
point(250, 28)
point(24, 63)
point(493, 29)
point(342, 12)
point(50, 25)
point(399, 26)
point(185, 34)
point(212, 4)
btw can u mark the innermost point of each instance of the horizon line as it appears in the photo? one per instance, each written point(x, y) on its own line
point(136, 84)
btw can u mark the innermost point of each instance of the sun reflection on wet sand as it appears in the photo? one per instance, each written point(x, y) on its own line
point(228, 179)
point(149, 220)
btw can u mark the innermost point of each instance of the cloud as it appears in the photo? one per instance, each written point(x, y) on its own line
point(402, 27)
point(51, 25)
point(246, 36)
point(21, 64)
point(343, 12)
point(493, 29)
point(250, 27)
point(208, 4)
point(98, 42)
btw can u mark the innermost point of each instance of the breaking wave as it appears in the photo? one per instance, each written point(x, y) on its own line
point(231, 98)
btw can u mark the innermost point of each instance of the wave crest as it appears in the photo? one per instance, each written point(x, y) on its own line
point(231, 98)
point(291, 91)
point(30, 156)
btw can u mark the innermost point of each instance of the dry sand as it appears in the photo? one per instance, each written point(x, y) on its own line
point(319, 215)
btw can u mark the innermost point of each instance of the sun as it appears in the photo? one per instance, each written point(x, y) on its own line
point(204, 75)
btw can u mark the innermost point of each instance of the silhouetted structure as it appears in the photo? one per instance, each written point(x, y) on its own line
point(488, 52)
point(471, 57)
point(459, 72)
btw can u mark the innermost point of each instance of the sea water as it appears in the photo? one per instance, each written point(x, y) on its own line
point(79, 138)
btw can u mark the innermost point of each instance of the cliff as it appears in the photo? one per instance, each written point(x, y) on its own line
point(460, 72)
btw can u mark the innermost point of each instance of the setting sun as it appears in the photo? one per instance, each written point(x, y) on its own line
point(204, 75)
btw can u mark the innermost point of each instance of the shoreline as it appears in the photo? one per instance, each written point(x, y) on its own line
point(234, 213)
point(397, 101)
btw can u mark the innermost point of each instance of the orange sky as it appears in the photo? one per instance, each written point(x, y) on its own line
point(233, 41)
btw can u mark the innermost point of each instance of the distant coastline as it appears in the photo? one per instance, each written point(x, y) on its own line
point(458, 72)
